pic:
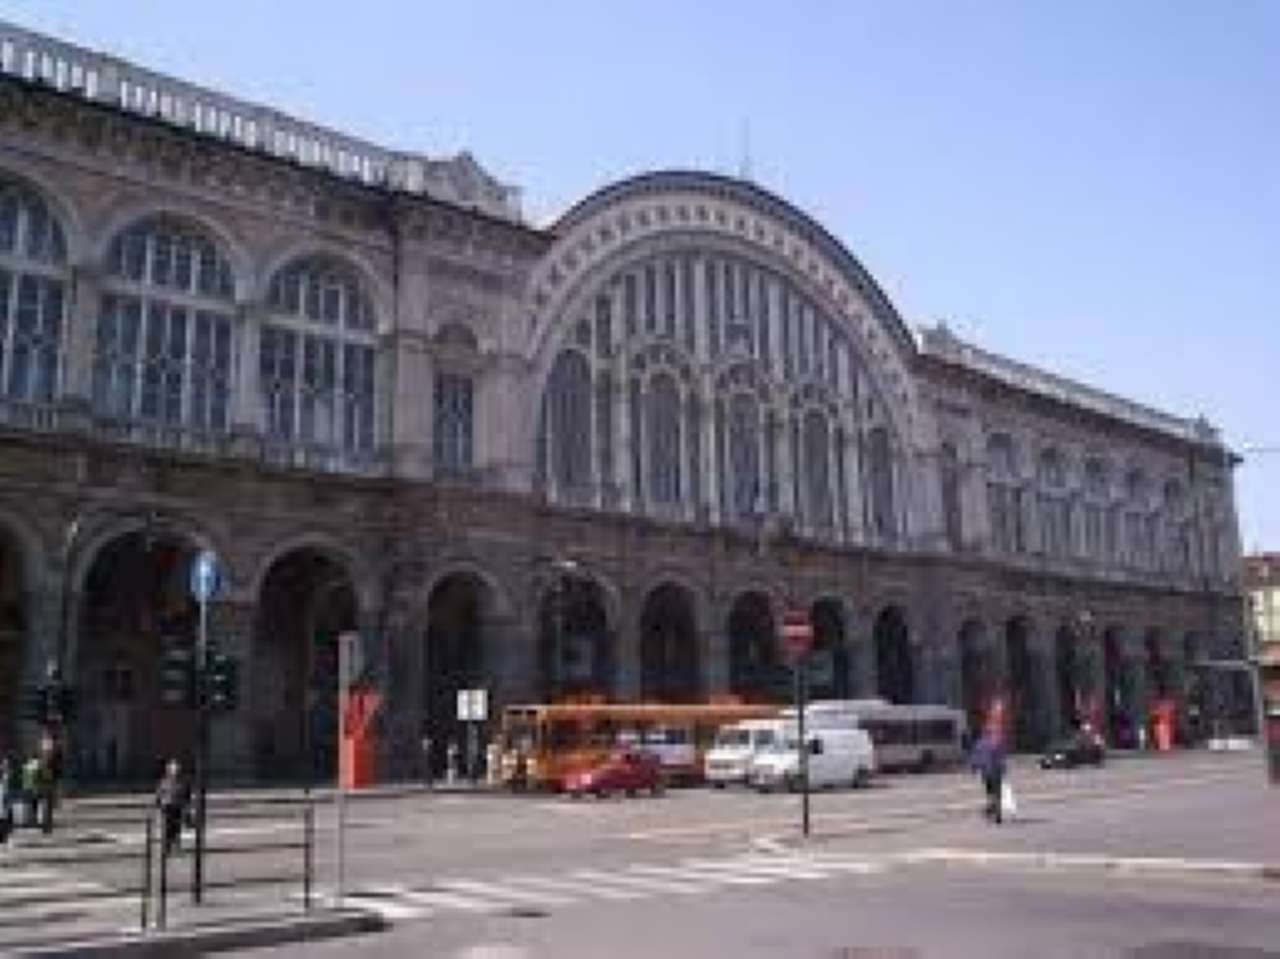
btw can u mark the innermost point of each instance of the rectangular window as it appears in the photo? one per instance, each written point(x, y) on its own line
point(762, 310)
point(669, 299)
point(358, 388)
point(278, 362)
point(788, 364)
point(604, 327)
point(687, 304)
point(805, 326)
point(711, 272)
point(452, 441)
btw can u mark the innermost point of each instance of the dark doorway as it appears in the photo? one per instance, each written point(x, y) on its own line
point(13, 637)
point(455, 658)
point(756, 672)
point(307, 601)
point(576, 652)
point(135, 602)
point(829, 660)
point(1022, 684)
point(977, 674)
point(895, 674)
point(669, 647)
point(1157, 667)
point(1119, 730)
point(1066, 674)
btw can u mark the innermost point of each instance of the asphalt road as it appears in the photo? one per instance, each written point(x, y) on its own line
point(908, 863)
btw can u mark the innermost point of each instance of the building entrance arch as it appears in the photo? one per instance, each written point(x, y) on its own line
point(977, 674)
point(576, 655)
point(14, 641)
point(1021, 684)
point(895, 672)
point(307, 599)
point(829, 657)
point(669, 661)
point(135, 602)
point(756, 673)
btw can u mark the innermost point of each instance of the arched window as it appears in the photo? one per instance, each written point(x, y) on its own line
point(817, 457)
point(1004, 496)
point(569, 413)
point(1054, 506)
point(33, 285)
point(1096, 545)
point(452, 422)
point(164, 339)
point(949, 470)
point(317, 357)
point(663, 429)
point(744, 455)
point(882, 498)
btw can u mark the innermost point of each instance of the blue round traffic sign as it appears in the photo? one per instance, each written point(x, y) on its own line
point(206, 577)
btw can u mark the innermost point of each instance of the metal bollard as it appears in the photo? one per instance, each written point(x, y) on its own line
point(308, 853)
point(146, 870)
point(161, 906)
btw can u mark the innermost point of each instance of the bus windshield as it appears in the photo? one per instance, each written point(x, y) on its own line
point(734, 738)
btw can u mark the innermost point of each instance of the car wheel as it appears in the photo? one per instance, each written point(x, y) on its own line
point(602, 794)
point(717, 785)
point(861, 778)
point(656, 789)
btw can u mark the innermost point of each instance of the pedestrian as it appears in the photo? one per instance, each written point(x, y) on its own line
point(8, 787)
point(50, 779)
point(988, 759)
point(31, 776)
point(172, 796)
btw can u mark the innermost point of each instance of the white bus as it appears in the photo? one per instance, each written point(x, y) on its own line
point(905, 737)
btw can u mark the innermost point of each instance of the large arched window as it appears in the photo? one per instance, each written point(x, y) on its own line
point(949, 472)
point(568, 411)
point(33, 284)
point(663, 435)
point(317, 357)
point(164, 338)
point(1054, 506)
point(1097, 545)
point(817, 457)
point(1004, 496)
point(882, 499)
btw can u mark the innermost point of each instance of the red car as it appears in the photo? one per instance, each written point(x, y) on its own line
point(622, 771)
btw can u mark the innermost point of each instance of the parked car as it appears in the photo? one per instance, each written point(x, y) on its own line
point(626, 771)
point(1079, 749)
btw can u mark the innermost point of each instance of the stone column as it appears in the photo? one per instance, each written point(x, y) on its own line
point(79, 333)
point(41, 642)
point(246, 401)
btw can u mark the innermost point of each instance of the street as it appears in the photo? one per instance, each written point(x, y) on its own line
point(1158, 853)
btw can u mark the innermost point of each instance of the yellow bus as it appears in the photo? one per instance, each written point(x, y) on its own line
point(542, 744)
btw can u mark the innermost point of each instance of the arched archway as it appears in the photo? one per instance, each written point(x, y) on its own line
point(755, 671)
point(307, 600)
point(455, 657)
point(829, 659)
point(13, 638)
point(895, 672)
point(1195, 691)
point(1020, 667)
point(1159, 674)
point(135, 603)
point(576, 652)
point(1067, 674)
point(1115, 687)
point(669, 666)
point(977, 673)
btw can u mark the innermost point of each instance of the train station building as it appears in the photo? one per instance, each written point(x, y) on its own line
point(599, 457)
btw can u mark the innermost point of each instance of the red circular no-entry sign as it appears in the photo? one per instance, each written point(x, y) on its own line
point(797, 633)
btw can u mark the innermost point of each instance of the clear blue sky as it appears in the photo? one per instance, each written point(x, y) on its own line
point(1090, 186)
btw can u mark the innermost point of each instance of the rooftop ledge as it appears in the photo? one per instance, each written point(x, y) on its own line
point(940, 342)
point(108, 80)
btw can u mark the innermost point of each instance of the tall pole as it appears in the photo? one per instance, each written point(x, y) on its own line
point(345, 642)
point(801, 690)
point(202, 753)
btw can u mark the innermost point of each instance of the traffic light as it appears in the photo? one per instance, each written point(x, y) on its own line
point(222, 681)
point(177, 676)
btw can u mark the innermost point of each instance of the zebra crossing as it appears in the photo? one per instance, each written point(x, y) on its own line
point(582, 886)
point(30, 895)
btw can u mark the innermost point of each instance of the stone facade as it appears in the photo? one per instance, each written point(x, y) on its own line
point(685, 383)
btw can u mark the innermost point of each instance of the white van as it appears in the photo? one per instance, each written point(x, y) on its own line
point(728, 761)
point(837, 757)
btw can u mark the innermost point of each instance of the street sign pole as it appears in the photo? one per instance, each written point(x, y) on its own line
point(797, 638)
point(204, 586)
point(348, 665)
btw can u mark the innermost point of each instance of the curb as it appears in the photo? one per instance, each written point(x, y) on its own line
point(218, 938)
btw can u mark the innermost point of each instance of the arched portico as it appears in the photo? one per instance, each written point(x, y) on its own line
point(756, 671)
point(895, 669)
point(307, 599)
point(830, 656)
point(670, 668)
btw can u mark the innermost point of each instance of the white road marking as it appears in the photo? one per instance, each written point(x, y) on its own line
point(584, 887)
point(652, 885)
point(712, 874)
point(496, 890)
